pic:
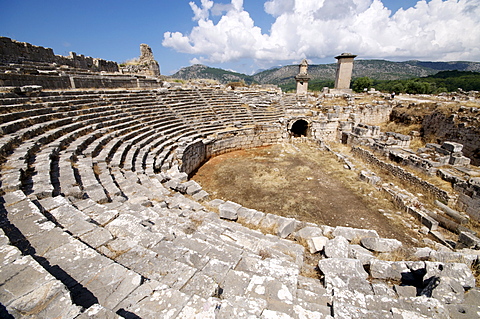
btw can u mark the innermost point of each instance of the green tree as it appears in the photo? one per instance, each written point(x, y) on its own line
point(362, 83)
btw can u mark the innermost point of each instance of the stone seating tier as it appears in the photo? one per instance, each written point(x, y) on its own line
point(100, 220)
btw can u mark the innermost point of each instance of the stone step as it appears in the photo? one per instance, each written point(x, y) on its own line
point(88, 275)
point(27, 288)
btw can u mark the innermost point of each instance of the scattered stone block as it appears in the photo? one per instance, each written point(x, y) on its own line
point(285, 226)
point(354, 233)
point(228, 210)
point(446, 289)
point(452, 147)
point(337, 248)
point(316, 244)
point(388, 270)
point(215, 203)
point(308, 232)
point(360, 253)
point(468, 240)
point(405, 291)
point(381, 245)
point(461, 272)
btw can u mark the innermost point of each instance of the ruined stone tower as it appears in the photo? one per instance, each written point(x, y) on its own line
point(147, 59)
point(146, 64)
point(344, 71)
point(302, 78)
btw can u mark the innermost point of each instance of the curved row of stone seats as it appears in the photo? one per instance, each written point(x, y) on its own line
point(191, 107)
point(228, 107)
point(90, 277)
point(84, 228)
point(193, 267)
point(28, 290)
point(139, 249)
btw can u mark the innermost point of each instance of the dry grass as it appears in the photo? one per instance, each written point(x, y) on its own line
point(302, 182)
point(310, 266)
point(340, 101)
point(97, 170)
point(399, 254)
point(476, 272)
point(400, 128)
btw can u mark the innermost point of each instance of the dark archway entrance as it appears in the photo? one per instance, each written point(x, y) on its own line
point(299, 128)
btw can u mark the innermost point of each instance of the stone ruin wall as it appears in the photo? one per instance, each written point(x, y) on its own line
point(448, 128)
point(402, 174)
point(192, 155)
point(26, 64)
point(12, 51)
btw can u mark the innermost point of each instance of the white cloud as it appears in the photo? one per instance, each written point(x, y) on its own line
point(434, 30)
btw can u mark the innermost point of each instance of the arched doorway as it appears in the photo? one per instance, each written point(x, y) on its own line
point(299, 128)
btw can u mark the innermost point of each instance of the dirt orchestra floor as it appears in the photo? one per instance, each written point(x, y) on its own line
point(303, 182)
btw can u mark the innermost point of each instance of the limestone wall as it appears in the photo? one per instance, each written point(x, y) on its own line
point(469, 190)
point(469, 199)
point(45, 81)
point(78, 82)
point(399, 172)
point(194, 154)
point(12, 51)
point(454, 128)
point(372, 114)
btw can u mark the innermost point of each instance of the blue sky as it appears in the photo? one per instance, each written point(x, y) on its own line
point(247, 35)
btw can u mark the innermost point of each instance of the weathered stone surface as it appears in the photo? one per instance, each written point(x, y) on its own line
point(360, 253)
point(405, 291)
point(407, 314)
point(308, 232)
point(344, 273)
point(96, 311)
point(381, 245)
point(468, 240)
point(459, 271)
point(316, 244)
point(28, 289)
point(388, 270)
point(241, 307)
point(198, 307)
point(446, 289)
point(337, 248)
point(228, 210)
point(161, 302)
point(285, 227)
point(354, 233)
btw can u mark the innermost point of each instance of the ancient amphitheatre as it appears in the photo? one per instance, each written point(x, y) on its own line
point(109, 208)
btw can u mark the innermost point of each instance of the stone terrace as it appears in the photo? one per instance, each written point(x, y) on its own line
point(99, 220)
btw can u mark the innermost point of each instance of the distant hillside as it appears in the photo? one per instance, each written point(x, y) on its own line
point(374, 69)
point(199, 71)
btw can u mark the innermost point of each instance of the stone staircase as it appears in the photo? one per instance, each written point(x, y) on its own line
point(98, 222)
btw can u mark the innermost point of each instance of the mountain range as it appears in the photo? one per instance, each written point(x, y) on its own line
point(374, 69)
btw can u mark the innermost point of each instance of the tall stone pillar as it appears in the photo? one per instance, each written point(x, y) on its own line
point(302, 78)
point(344, 71)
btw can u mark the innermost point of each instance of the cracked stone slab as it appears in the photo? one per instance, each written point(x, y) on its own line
point(354, 233)
point(27, 288)
point(159, 302)
point(81, 262)
point(337, 248)
point(381, 245)
point(228, 210)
